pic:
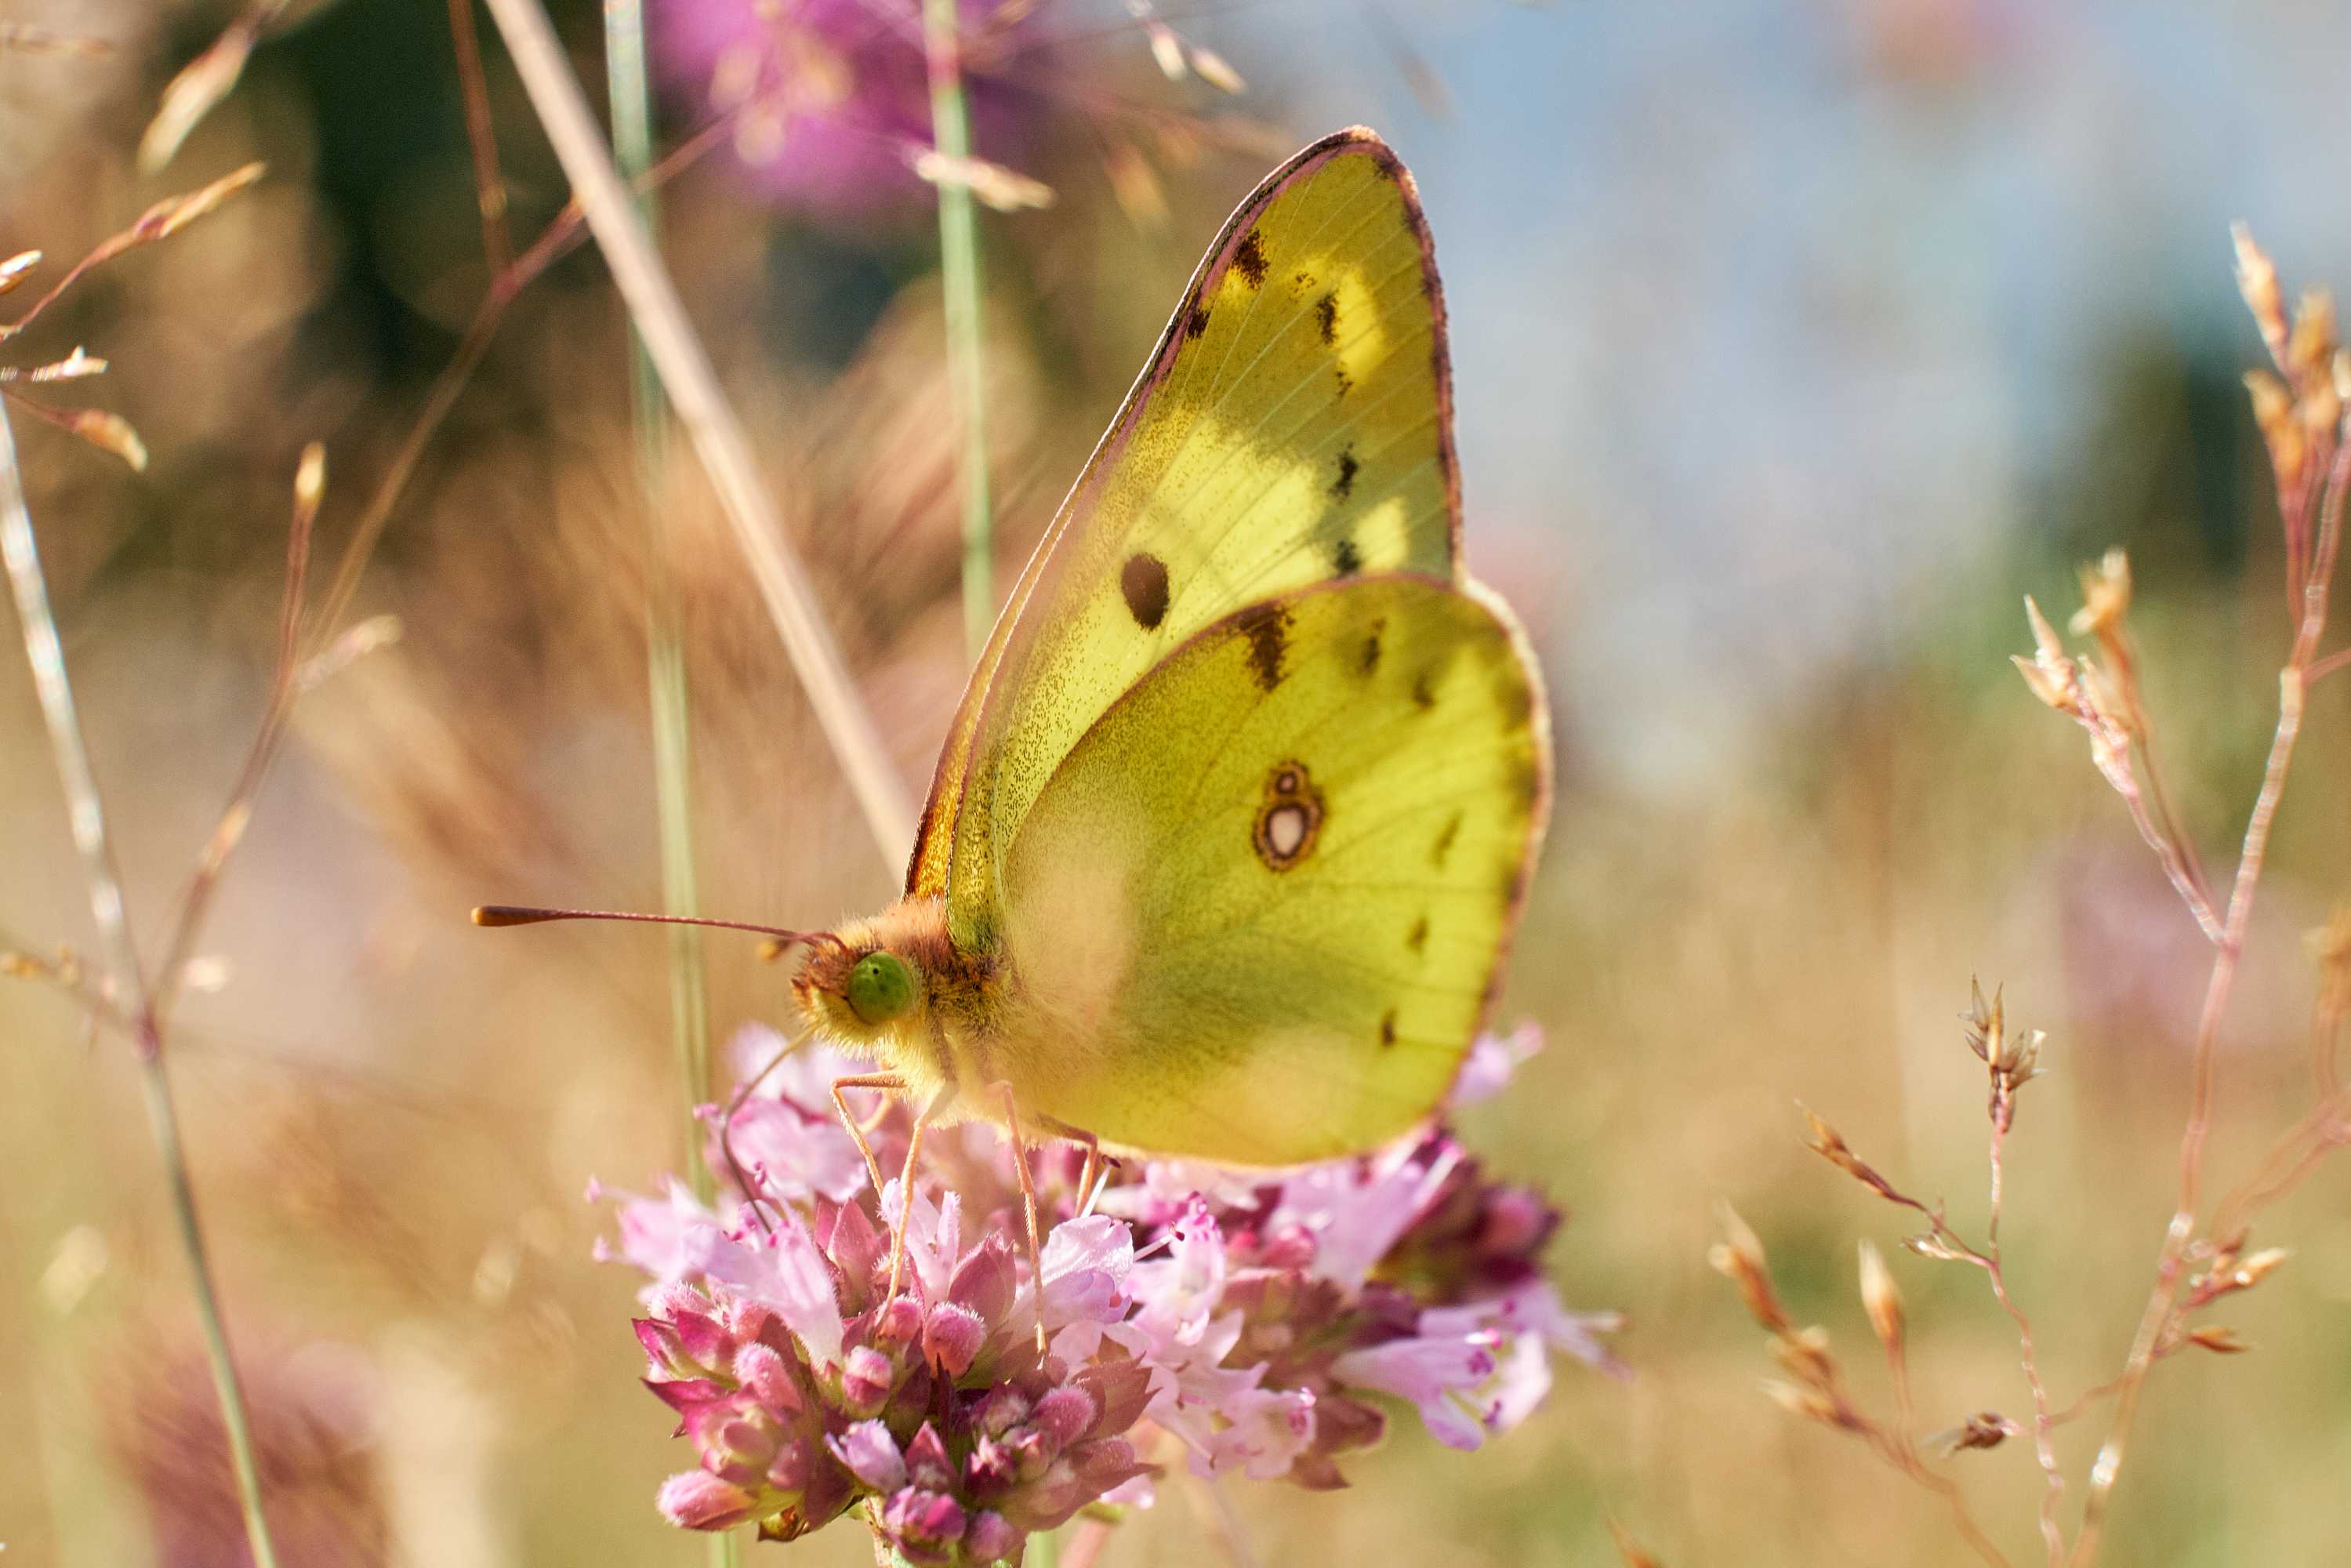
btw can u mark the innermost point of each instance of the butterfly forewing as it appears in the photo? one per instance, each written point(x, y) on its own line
point(1257, 913)
point(1293, 428)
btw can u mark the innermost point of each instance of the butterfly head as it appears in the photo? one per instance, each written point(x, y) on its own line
point(867, 987)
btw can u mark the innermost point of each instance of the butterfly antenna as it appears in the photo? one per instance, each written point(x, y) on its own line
point(778, 937)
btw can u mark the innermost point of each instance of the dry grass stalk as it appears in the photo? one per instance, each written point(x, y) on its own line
point(204, 82)
point(2310, 449)
point(717, 436)
point(309, 649)
point(2299, 406)
point(1812, 1384)
point(87, 813)
point(109, 433)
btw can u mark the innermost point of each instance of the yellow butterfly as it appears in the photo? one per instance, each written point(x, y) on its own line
point(1228, 837)
point(1234, 821)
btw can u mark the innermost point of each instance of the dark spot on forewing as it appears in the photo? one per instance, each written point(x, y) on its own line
point(1143, 581)
point(1198, 323)
point(1326, 319)
point(1346, 556)
point(1305, 279)
point(1250, 260)
point(1267, 627)
point(1424, 689)
point(1417, 938)
point(1346, 381)
point(1344, 484)
point(1388, 1029)
point(1443, 845)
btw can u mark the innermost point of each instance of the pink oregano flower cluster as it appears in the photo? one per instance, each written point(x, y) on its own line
point(1248, 1323)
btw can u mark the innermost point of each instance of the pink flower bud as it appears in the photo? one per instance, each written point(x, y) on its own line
point(927, 1464)
point(985, 1281)
point(1004, 1409)
point(952, 1337)
point(1064, 1415)
point(992, 1468)
point(664, 1351)
point(853, 1246)
point(739, 1449)
point(1032, 1450)
point(922, 1525)
point(763, 1373)
point(1516, 1221)
point(701, 1340)
point(990, 1537)
point(866, 1379)
point(793, 1467)
point(871, 1456)
point(699, 1501)
point(900, 1319)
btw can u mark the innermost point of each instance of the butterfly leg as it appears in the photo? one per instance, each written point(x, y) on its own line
point(889, 1084)
point(1096, 1174)
point(923, 1120)
point(1027, 1208)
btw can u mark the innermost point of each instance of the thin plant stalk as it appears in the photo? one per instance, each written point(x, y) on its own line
point(631, 98)
point(88, 815)
point(2044, 1443)
point(959, 270)
point(2172, 1261)
point(710, 423)
point(489, 186)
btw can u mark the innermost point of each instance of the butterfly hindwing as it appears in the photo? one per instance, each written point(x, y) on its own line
point(1293, 428)
point(1258, 910)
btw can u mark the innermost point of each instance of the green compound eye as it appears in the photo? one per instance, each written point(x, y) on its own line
point(881, 988)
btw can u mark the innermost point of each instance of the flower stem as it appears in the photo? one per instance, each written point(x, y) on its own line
point(629, 99)
point(959, 268)
point(624, 68)
point(87, 812)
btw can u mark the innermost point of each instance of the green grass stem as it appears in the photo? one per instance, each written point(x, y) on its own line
point(629, 99)
point(959, 269)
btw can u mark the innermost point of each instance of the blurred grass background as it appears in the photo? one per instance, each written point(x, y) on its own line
point(1794, 343)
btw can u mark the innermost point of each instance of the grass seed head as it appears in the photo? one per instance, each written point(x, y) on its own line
point(1739, 1258)
point(2311, 343)
point(1881, 1298)
point(1829, 1144)
point(2281, 431)
point(1984, 1429)
point(2257, 281)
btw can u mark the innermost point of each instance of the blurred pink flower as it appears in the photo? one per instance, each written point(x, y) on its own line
point(833, 95)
